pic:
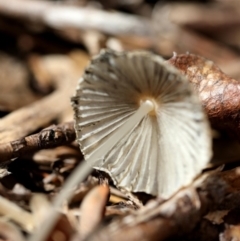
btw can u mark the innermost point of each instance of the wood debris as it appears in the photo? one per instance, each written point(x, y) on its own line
point(45, 47)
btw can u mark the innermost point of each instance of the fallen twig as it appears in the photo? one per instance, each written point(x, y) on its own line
point(47, 138)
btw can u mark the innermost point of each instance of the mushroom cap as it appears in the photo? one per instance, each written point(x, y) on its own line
point(167, 148)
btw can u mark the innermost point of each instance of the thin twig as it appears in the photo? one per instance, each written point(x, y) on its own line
point(52, 136)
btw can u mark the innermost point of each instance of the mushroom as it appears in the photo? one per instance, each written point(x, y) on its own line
point(138, 119)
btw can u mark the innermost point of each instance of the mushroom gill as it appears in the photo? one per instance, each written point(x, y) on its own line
point(163, 149)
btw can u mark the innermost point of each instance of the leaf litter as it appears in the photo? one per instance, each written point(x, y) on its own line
point(42, 57)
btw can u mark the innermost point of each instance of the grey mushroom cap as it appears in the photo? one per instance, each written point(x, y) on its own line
point(165, 150)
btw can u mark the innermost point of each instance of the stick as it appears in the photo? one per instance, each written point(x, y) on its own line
point(47, 138)
point(64, 16)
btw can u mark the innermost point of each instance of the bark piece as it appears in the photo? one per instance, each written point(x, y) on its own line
point(219, 93)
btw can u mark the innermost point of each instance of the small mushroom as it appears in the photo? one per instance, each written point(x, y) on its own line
point(138, 119)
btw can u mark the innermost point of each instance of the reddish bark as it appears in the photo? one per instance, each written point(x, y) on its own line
point(219, 93)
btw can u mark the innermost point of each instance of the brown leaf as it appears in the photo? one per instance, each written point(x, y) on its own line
point(219, 93)
point(62, 230)
point(92, 209)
